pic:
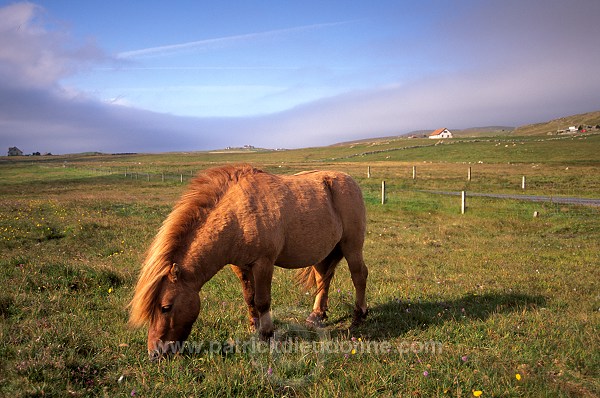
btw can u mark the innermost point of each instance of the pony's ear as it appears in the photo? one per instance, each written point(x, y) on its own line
point(173, 272)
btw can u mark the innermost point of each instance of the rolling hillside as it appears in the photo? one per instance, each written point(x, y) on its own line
point(545, 128)
point(551, 127)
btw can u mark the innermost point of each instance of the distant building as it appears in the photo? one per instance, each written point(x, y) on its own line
point(14, 151)
point(440, 133)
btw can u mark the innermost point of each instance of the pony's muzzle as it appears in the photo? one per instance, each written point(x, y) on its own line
point(154, 355)
point(162, 349)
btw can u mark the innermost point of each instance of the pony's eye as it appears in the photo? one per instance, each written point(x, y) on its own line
point(165, 308)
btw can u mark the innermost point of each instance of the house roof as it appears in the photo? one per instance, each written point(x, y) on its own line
point(438, 131)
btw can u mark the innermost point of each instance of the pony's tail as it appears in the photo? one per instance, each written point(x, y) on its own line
point(307, 277)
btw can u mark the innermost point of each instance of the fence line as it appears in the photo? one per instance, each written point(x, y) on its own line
point(469, 175)
point(180, 176)
point(129, 173)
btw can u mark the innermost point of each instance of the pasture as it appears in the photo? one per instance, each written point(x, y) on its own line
point(494, 302)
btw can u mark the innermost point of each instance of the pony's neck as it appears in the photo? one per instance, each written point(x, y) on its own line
point(210, 251)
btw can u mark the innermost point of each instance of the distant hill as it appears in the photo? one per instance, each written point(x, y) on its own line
point(551, 127)
point(468, 132)
point(563, 123)
point(482, 131)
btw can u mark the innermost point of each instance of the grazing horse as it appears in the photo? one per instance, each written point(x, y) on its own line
point(252, 220)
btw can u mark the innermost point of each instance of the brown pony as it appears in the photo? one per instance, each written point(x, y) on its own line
point(253, 220)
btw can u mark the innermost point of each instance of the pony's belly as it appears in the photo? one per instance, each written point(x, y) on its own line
point(304, 257)
point(296, 264)
point(310, 235)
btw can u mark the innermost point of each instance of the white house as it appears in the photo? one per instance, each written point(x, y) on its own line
point(440, 133)
point(14, 151)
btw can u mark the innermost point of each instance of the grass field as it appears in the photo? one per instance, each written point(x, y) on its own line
point(493, 302)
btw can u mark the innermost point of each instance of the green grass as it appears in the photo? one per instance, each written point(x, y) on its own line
point(458, 303)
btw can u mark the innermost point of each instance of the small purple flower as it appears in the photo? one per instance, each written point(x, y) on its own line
point(133, 393)
point(464, 358)
point(425, 373)
point(270, 371)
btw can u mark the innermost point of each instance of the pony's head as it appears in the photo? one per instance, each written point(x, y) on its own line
point(171, 313)
point(166, 296)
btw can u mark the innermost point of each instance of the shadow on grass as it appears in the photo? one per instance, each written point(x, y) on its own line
point(385, 321)
point(397, 317)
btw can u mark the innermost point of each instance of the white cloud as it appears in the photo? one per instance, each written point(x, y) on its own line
point(31, 56)
point(220, 41)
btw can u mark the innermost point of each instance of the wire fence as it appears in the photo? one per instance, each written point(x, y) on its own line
point(402, 190)
point(135, 174)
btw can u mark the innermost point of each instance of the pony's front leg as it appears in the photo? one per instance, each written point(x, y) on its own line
point(262, 271)
point(247, 279)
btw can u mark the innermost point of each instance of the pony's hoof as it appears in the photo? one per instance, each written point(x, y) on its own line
point(359, 316)
point(316, 319)
point(266, 335)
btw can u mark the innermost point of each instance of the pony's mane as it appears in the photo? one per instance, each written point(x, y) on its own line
point(188, 214)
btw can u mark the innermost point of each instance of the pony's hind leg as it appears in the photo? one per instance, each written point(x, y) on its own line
point(323, 272)
point(245, 276)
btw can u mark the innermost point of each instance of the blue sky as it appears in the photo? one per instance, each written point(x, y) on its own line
point(157, 76)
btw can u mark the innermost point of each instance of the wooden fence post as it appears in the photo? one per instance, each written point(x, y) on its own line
point(383, 192)
point(368, 171)
point(469, 174)
point(463, 202)
point(523, 183)
point(414, 172)
point(181, 178)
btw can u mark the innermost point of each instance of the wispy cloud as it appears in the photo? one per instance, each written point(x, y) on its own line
point(221, 41)
point(200, 68)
